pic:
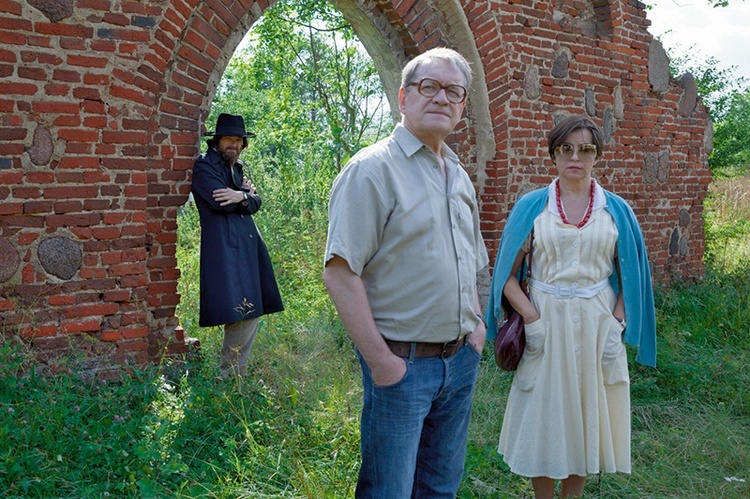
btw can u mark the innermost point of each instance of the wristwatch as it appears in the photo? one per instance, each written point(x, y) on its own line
point(621, 321)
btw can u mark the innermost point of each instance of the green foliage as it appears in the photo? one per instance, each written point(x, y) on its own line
point(291, 428)
point(306, 87)
point(313, 97)
point(731, 152)
point(287, 432)
point(727, 224)
point(715, 85)
point(728, 101)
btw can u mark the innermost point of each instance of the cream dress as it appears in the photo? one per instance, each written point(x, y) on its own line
point(568, 411)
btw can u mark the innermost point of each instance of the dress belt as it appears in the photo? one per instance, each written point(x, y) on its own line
point(562, 291)
point(423, 349)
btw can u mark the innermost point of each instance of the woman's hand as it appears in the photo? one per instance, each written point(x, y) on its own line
point(516, 296)
point(531, 317)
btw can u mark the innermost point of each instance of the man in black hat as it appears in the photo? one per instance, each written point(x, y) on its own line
point(237, 284)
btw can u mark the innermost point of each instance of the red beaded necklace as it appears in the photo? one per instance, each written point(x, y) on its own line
point(562, 211)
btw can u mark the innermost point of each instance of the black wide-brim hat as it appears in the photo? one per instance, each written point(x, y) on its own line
point(230, 125)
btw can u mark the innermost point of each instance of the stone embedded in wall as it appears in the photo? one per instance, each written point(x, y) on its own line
point(683, 245)
point(663, 170)
point(689, 97)
point(589, 102)
point(60, 257)
point(684, 217)
point(658, 67)
point(560, 66)
point(708, 138)
point(582, 19)
point(5, 163)
point(9, 260)
point(42, 146)
point(531, 86)
point(54, 10)
point(674, 242)
point(619, 104)
point(656, 168)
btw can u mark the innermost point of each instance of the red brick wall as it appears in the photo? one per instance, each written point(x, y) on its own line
point(101, 109)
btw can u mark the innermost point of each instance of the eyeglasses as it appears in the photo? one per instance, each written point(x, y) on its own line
point(585, 151)
point(428, 87)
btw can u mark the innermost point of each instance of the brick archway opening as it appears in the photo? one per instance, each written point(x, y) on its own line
point(389, 48)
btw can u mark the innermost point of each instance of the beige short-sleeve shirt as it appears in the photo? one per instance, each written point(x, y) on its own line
point(412, 235)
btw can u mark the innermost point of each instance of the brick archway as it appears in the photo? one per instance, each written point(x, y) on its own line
point(102, 105)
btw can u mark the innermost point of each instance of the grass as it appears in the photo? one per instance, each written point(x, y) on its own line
point(290, 430)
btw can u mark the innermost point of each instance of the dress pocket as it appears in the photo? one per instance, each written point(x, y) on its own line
point(534, 338)
point(614, 356)
point(528, 368)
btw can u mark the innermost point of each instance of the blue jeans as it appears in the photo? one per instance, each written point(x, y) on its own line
point(413, 434)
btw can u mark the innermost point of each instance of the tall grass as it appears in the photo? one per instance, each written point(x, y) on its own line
point(728, 223)
point(290, 430)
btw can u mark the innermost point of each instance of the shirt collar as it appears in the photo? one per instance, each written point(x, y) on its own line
point(600, 201)
point(410, 144)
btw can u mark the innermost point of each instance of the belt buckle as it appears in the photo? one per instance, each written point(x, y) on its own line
point(448, 344)
point(564, 292)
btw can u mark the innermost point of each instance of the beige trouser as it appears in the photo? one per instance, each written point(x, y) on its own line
point(238, 341)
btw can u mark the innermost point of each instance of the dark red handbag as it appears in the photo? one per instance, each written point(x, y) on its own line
point(511, 337)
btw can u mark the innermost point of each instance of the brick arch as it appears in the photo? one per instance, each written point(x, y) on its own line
point(192, 77)
point(102, 105)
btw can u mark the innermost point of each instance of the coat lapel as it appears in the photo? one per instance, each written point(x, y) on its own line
point(237, 175)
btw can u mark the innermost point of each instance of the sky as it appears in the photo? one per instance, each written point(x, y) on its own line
point(722, 32)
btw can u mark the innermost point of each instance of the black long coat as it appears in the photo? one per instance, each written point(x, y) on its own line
point(237, 280)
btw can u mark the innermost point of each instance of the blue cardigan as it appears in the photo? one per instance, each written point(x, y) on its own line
point(633, 260)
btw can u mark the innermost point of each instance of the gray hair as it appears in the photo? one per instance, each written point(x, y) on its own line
point(437, 54)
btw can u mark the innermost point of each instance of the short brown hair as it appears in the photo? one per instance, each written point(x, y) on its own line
point(569, 125)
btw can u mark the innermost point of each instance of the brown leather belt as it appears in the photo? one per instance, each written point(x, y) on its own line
point(423, 349)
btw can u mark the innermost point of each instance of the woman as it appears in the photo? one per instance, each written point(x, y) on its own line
point(568, 412)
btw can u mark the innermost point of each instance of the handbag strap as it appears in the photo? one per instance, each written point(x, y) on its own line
point(531, 255)
point(525, 283)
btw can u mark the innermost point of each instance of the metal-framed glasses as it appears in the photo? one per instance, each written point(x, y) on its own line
point(428, 87)
point(585, 151)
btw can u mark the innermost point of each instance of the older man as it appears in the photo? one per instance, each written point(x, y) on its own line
point(237, 281)
point(403, 251)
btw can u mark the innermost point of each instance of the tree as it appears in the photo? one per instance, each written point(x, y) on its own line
point(315, 80)
point(731, 152)
point(716, 86)
point(728, 101)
